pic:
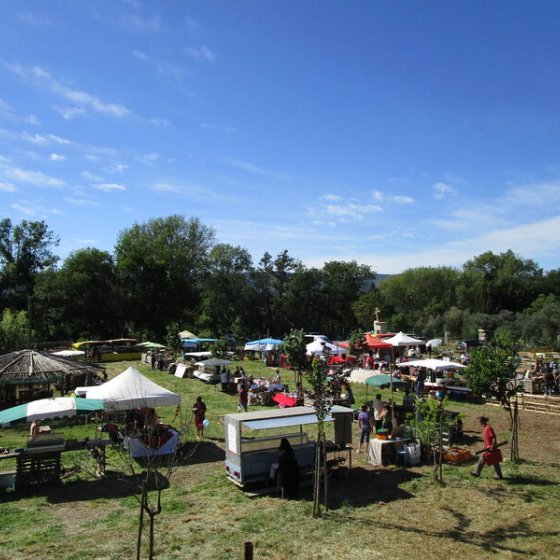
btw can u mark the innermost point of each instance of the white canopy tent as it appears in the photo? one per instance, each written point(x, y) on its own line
point(131, 389)
point(318, 347)
point(402, 339)
point(432, 364)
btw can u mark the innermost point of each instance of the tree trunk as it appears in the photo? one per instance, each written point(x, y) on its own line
point(141, 521)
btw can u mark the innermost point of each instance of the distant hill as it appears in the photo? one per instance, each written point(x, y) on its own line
point(381, 277)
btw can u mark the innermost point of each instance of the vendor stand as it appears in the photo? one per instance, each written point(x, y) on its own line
point(249, 458)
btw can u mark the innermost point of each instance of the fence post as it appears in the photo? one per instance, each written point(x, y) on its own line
point(248, 551)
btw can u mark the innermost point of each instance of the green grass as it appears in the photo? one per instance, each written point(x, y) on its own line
point(390, 512)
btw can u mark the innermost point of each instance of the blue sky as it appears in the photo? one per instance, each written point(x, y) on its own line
point(396, 134)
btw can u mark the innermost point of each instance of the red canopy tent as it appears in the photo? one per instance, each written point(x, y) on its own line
point(376, 343)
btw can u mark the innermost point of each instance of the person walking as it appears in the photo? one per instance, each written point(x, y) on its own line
point(199, 415)
point(492, 455)
point(364, 423)
point(243, 398)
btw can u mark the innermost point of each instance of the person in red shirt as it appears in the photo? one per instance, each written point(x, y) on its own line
point(492, 455)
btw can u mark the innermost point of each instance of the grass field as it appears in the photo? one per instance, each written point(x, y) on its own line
point(375, 512)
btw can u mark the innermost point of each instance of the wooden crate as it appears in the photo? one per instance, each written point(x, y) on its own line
point(38, 469)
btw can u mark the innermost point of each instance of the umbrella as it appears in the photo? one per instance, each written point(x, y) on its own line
point(434, 343)
point(263, 344)
point(50, 408)
point(151, 345)
point(187, 334)
point(382, 381)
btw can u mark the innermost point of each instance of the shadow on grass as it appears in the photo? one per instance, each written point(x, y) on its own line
point(361, 487)
point(492, 541)
point(113, 486)
point(529, 480)
point(196, 452)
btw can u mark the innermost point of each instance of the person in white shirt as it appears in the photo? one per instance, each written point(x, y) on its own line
point(377, 406)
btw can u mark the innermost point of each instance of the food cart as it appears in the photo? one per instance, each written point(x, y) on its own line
point(249, 458)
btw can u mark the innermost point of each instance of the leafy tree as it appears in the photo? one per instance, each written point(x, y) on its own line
point(25, 250)
point(13, 331)
point(161, 265)
point(344, 282)
point(492, 282)
point(81, 299)
point(303, 301)
point(365, 308)
point(540, 322)
point(295, 349)
point(357, 343)
point(226, 295)
point(491, 372)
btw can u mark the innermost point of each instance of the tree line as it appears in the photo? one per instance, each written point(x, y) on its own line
point(171, 271)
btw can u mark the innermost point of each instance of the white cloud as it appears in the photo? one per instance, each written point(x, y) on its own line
point(81, 201)
point(36, 178)
point(82, 101)
point(7, 187)
point(68, 113)
point(57, 157)
point(161, 66)
point(379, 196)
point(44, 139)
point(200, 53)
point(91, 177)
point(333, 197)
point(110, 187)
point(24, 208)
point(400, 199)
point(442, 190)
point(255, 169)
point(134, 22)
point(157, 121)
point(538, 195)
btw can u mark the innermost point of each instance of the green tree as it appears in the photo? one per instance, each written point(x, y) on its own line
point(492, 282)
point(226, 294)
point(492, 372)
point(344, 282)
point(25, 250)
point(161, 265)
point(294, 347)
point(81, 299)
point(13, 331)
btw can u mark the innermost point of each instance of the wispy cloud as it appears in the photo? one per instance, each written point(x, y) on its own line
point(334, 209)
point(81, 101)
point(536, 195)
point(182, 190)
point(44, 139)
point(255, 169)
point(161, 66)
point(7, 187)
point(442, 190)
point(26, 176)
point(200, 53)
point(157, 121)
point(110, 187)
point(57, 157)
point(217, 128)
point(149, 25)
point(78, 201)
point(29, 208)
point(380, 196)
